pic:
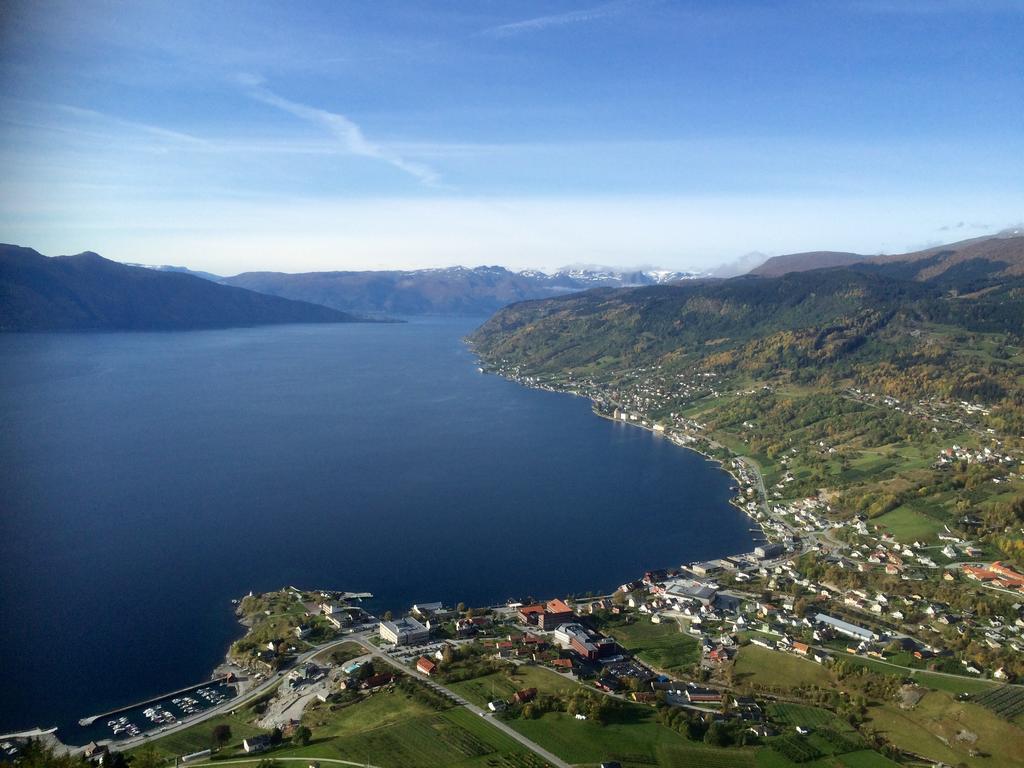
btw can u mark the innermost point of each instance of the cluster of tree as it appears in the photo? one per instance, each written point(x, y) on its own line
point(707, 727)
point(467, 662)
point(592, 705)
point(423, 693)
point(36, 754)
point(865, 684)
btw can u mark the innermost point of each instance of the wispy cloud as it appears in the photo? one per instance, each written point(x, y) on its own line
point(539, 23)
point(964, 225)
point(351, 136)
point(153, 130)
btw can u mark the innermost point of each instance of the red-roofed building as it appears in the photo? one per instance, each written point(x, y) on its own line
point(556, 613)
point(525, 695)
point(529, 614)
point(376, 681)
point(425, 665)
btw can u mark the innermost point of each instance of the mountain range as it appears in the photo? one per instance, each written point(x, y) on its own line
point(450, 291)
point(470, 291)
point(784, 314)
point(88, 292)
point(999, 255)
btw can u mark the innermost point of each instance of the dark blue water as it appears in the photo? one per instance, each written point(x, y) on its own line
point(147, 479)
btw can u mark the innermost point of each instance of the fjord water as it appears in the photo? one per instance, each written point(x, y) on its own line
point(148, 478)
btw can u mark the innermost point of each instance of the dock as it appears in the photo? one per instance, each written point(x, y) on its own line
point(29, 734)
point(86, 721)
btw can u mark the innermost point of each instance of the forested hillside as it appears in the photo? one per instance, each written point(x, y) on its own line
point(889, 394)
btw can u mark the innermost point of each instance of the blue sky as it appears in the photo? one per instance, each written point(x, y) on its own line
point(340, 135)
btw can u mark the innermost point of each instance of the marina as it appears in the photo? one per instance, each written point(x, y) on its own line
point(152, 715)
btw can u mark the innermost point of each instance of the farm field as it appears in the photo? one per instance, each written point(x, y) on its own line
point(391, 729)
point(1007, 701)
point(805, 716)
point(632, 736)
point(941, 728)
point(909, 525)
point(662, 646)
point(756, 665)
point(387, 729)
point(499, 685)
point(865, 758)
point(199, 737)
point(949, 684)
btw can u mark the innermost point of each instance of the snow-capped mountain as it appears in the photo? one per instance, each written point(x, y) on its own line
point(608, 276)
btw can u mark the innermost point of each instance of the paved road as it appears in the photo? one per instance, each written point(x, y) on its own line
point(501, 726)
point(306, 760)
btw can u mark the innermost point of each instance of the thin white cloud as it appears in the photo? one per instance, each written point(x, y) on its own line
point(345, 130)
point(153, 130)
point(539, 23)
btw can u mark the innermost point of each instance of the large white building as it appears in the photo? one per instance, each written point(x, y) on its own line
point(405, 631)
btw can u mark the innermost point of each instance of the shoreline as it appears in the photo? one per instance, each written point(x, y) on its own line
point(227, 666)
point(734, 501)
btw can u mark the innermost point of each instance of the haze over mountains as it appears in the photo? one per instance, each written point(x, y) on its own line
point(89, 292)
point(450, 291)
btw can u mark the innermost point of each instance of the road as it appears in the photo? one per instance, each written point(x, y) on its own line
point(501, 726)
point(306, 760)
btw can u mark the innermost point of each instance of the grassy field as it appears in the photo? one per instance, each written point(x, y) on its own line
point(942, 728)
point(908, 525)
point(499, 685)
point(955, 684)
point(339, 654)
point(388, 729)
point(808, 717)
point(633, 738)
point(662, 646)
point(762, 666)
point(865, 758)
point(391, 729)
point(199, 737)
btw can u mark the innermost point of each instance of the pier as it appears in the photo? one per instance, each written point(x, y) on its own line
point(87, 721)
point(33, 733)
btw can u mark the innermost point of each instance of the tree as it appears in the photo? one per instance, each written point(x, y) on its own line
point(221, 734)
point(36, 754)
point(301, 736)
point(461, 608)
point(388, 616)
point(716, 735)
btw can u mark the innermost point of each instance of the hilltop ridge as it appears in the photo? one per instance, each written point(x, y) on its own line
point(88, 292)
